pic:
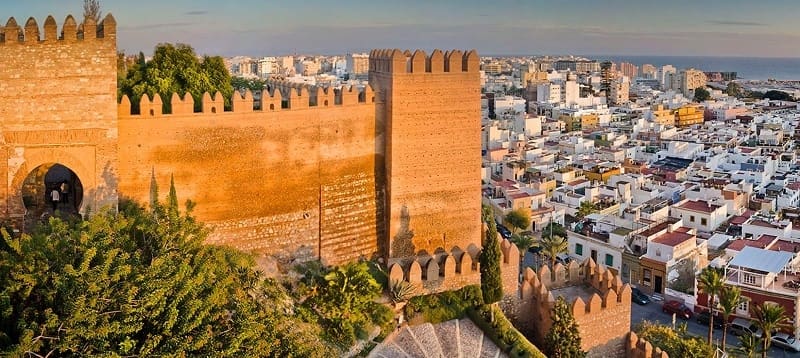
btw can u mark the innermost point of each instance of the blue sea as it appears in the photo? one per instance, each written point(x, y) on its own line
point(747, 68)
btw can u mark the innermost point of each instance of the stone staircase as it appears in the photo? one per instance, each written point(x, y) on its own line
point(451, 339)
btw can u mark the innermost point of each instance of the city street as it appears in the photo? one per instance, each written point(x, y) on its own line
point(652, 312)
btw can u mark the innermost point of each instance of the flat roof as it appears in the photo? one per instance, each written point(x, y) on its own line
point(762, 260)
point(673, 239)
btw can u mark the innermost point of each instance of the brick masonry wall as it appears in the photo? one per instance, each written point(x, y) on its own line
point(432, 155)
point(58, 105)
point(268, 182)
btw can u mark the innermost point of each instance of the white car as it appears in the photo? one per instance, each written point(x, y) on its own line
point(785, 341)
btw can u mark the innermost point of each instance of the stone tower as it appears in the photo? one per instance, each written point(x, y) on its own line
point(428, 113)
point(58, 108)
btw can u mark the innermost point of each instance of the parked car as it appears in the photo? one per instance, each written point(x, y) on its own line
point(705, 316)
point(564, 259)
point(504, 232)
point(785, 341)
point(637, 296)
point(741, 326)
point(678, 308)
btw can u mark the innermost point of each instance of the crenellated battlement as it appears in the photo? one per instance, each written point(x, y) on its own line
point(593, 292)
point(398, 61)
point(13, 34)
point(636, 347)
point(278, 96)
point(446, 270)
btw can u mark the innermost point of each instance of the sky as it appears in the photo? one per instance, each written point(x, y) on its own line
point(766, 28)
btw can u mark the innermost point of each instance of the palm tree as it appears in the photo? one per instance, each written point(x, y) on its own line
point(729, 299)
point(523, 242)
point(748, 345)
point(553, 246)
point(586, 208)
point(711, 281)
point(769, 317)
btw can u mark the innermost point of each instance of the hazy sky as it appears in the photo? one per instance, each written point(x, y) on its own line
point(766, 28)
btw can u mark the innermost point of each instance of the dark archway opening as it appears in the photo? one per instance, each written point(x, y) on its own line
point(51, 188)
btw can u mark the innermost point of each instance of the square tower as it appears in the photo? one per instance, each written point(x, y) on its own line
point(428, 125)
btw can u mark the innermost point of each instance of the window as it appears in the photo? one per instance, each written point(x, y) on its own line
point(749, 279)
point(609, 260)
point(691, 218)
point(703, 221)
point(646, 275)
point(744, 307)
point(579, 249)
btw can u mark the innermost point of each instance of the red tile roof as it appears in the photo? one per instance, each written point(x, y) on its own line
point(673, 238)
point(762, 242)
point(787, 246)
point(699, 206)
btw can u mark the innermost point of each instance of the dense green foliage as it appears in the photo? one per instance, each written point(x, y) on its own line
point(502, 332)
point(341, 300)
point(734, 89)
point(518, 220)
point(445, 306)
point(140, 283)
point(701, 94)
point(586, 208)
point(175, 69)
point(491, 281)
point(563, 340)
point(675, 342)
point(252, 84)
point(554, 229)
point(776, 95)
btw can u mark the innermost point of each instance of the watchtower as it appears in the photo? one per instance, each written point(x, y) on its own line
point(428, 125)
point(58, 115)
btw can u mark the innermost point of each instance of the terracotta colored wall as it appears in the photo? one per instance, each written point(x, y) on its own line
point(57, 105)
point(269, 182)
point(431, 112)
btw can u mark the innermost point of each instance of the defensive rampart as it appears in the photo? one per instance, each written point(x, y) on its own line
point(448, 270)
point(600, 302)
point(275, 180)
point(301, 172)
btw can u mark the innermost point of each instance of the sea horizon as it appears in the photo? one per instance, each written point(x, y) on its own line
point(746, 68)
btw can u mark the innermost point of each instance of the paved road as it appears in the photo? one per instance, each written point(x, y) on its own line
point(652, 312)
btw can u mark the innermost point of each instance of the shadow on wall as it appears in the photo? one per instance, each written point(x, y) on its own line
point(403, 242)
point(104, 195)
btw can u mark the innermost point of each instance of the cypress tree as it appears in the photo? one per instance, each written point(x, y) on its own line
point(491, 282)
point(563, 339)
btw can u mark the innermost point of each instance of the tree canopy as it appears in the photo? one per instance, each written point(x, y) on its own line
point(175, 69)
point(675, 342)
point(518, 219)
point(776, 95)
point(734, 89)
point(701, 94)
point(141, 283)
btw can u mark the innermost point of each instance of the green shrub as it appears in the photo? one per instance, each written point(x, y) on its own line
point(444, 306)
point(502, 332)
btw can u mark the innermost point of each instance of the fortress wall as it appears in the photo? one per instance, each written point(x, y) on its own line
point(57, 104)
point(267, 181)
point(432, 155)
